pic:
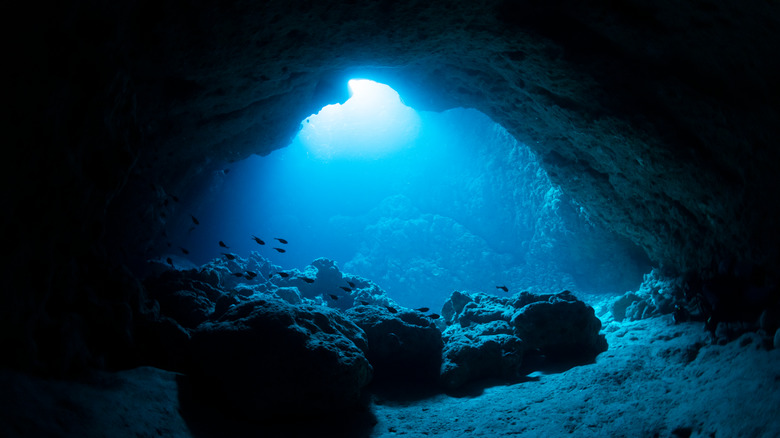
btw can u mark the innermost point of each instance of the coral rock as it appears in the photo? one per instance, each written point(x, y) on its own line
point(404, 345)
point(268, 357)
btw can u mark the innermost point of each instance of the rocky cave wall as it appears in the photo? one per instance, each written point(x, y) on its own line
point(659, 117)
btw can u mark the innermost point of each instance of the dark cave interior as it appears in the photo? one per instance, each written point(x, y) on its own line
point(661, 118)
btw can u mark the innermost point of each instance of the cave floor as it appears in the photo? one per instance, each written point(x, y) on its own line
point(656, 380)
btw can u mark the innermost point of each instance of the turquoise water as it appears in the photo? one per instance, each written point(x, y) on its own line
point(421, 203)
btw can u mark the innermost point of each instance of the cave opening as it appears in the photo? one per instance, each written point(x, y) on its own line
point(421, 203)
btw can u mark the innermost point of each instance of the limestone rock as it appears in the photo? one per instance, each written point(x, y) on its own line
point(562, 328)
point(266, 357)
point(488, 350)
point(404, 345)
point(183, 297)
point(489, 336)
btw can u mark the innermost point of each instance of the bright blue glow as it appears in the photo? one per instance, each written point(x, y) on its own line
point(372, 124)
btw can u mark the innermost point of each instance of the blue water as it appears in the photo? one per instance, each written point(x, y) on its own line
point(420, 203)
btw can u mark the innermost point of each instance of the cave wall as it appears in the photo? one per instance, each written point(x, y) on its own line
point(659, 117)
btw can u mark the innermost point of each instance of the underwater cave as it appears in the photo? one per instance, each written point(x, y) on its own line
point(370, 219)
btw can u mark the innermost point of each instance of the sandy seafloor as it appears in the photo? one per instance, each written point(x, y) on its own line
point(657, 379)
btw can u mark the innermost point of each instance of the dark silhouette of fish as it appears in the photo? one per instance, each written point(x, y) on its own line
point(280, 250)
point(192, 228)
point(281, 274)
point(175, 198)
point(391, 309)
point(282, 241)
point(308, 280)
point(422, 309)
point(194, 220)
point(222, 244)
point(333, 297)
point(237, 274)
point(365, 303)
point(433, 316)
point(345, 289)
point(229, 256)
point(184, 250)
point(170, 262)
point(351, 284)
point(503, 288)
point(251, 274)
point(258, 240)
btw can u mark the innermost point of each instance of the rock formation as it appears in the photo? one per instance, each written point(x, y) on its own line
point(490, 337)
point(661, 118)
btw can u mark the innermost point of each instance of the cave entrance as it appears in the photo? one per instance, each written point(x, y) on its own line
point(421, 203)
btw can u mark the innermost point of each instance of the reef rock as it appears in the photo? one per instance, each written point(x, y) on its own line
point(562, 328)
point(268, 357)
point(656, 296)
point(482, 351)
point(184, 296)
point(405, 345)
point(490, 336)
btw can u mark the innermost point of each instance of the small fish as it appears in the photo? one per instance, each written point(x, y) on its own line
point(170, 262)
point(258, 240)
point(229, 256)
point(222, 244)
point(251, 274)
point(194, 220)
point(346, 289)
point(433, 316)
point(503, 288)
point(238, 274)
point(391, 310)
point(308, 280)
point(168, 244)
point(422, 309)
point(184, 250)
point(280, 250)
point(365, 303)
point(281, 274)
point(192, 228)
point(225, 171)
point(175, 198)
point(282, 241)
point(351, 284)
point(333, 297)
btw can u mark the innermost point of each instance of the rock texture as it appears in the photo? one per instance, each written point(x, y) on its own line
point(489, 337)
point(266, 358)
point(404, 346)
point(660, 118)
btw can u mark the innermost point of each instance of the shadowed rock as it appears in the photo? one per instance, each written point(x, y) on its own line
point(268, 357)
point(403, 346)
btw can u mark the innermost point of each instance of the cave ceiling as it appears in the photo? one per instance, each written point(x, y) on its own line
point(659, 117)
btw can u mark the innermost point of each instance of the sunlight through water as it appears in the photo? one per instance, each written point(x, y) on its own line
point(372, 124)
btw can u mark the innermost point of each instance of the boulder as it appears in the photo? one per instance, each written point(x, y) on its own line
point(267, 357)
point(489, 336)
point(562, 328)
point(488, 350)
point(405, 345)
